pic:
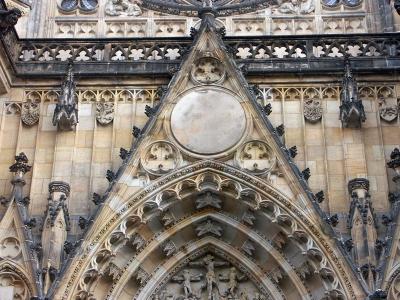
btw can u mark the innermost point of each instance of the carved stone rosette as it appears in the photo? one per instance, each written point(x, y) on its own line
point(313, 110)
point(30, 113)
point(160, 158)
point(104, 112)
point(256, 157)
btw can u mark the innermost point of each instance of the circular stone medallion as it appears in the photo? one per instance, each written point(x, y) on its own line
point(208, 120)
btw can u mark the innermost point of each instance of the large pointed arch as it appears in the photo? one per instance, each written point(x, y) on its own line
point(131, 218)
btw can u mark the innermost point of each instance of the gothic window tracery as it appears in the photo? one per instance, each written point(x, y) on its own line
point(88, 6)
point(336, 3)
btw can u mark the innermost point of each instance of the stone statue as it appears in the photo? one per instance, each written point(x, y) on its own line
point(123, 8)
point(296, 6)
point(211, 279)
point(186, 279)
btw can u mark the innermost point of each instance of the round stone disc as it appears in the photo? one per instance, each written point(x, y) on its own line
point(208, 121)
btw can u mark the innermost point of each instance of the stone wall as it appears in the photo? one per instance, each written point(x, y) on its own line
point(119, 20)
point(334, 155)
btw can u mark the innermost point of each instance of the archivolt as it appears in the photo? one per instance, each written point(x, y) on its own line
point(251, 193)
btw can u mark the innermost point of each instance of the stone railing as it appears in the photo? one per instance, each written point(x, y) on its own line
point(369, 53)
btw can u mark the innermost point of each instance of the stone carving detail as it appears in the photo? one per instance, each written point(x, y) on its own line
point(352, 112)
point(248, 248)
point(104, 112)
point(160, 158)
point(208, 70)
point(66, 112)
point(388, 111)
point(335, 3)
point(13, 287)
point(8, 19)
point(296, 6)
point(30, 113)
point(87, 6)
point(54, 231)
point(123, 8)
point(208, 200)
point(10, 247)
point(209, 277)
point(209, 227)
point(256, 157)
point(169, 248)
point(363, 230)
point(313, 110)
point(137, 242)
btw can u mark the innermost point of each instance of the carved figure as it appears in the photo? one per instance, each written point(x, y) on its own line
point(30, 113)
point(296, 6)
point(211, 279)
point(186, 279)
point(123, 8)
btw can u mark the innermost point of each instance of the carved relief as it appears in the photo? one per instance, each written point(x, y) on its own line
point(10, 247)
point(30, 113)
point(313, 110)
point(12, 287)
point(160, 158)
point(208, 70)
point(388, 111)
point(123, 8)
point(256, 157)
point(207, 278)
point(209, 227)
point(104, 112)
point(296, 6)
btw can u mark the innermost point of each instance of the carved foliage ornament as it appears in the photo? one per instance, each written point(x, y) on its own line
point(256, 157)
point(208, 70)
point(312, 110)
point(30, 113)
point(104, 112)
point(161, 158)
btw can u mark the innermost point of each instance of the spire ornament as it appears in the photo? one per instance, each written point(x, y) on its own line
point(66, 112)
point(352, 112)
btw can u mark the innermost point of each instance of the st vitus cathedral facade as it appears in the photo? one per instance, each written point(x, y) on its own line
point(199, 150)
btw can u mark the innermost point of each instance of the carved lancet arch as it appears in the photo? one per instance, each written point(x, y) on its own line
point(121, 237)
